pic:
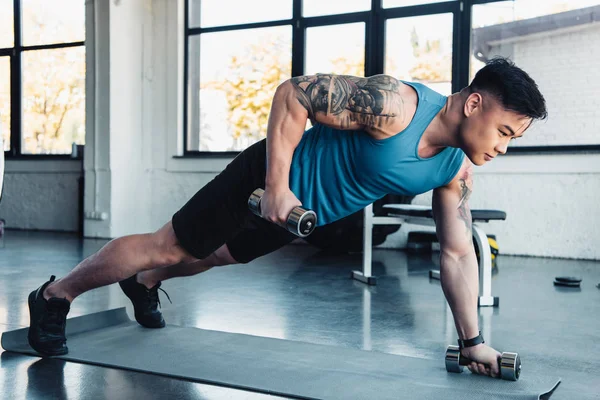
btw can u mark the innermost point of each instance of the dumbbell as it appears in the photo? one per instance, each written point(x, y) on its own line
point(300, 222)
point(509, 364)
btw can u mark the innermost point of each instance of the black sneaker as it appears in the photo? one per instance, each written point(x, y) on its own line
point(145, 302)
point(47, 322)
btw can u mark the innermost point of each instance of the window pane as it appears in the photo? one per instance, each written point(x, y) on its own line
point(316, 8)
point(63, 22)
point(346, 57)
point(232, 77)
point(53, 100)
point(7, 31)
point(5, 101)
point(232, 12)
point(556, 43)
point(404, 3)
point(419, 49)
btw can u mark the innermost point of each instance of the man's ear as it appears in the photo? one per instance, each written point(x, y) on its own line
point(472, 104)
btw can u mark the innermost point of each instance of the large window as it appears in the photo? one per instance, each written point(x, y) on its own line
point(235, 60)
point(42, 76)
point(558, 43)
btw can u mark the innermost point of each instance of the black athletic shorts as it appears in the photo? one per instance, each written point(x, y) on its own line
point(218, 213)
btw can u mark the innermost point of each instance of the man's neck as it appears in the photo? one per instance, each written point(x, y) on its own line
point(443, 130)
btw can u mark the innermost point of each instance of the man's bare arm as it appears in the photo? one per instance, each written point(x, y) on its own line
point(287, 121)
point(459, 270)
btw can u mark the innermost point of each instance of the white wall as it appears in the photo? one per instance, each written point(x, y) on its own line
point(129, 141)
point(118, 137)
point(96, 163)
point(41, 195)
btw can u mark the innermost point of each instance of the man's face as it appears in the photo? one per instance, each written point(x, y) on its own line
point(488, 128)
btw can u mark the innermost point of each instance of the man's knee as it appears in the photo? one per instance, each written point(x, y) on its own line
point(166, 249)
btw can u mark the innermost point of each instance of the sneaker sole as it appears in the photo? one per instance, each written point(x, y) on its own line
point(30, 301)
point(151, 326)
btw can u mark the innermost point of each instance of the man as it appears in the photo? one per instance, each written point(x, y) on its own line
point(371, 136)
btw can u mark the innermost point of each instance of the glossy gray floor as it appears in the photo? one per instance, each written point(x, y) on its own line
point(299, 293)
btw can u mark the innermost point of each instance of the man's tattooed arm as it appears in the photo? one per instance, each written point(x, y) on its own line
point(350, 102)
point(466, 185)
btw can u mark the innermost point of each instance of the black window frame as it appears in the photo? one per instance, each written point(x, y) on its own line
point(374, 20)
point(16, 86)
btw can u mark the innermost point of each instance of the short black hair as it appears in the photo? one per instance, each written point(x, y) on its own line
point(512, 87)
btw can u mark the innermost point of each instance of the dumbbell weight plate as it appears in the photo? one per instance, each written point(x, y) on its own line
point(510, 366)
point(569, 279)
point(453, 359)
point(301, 222)
point(254, 201)
point(566, 284)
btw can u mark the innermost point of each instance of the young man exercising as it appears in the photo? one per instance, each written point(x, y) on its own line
point(370, 137)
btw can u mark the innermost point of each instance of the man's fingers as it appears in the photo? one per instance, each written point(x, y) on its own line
point(495, 366)
point(482, 368)
point(495, 371)
point(473, 367)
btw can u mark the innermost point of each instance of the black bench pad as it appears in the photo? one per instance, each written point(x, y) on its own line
point(394, 210)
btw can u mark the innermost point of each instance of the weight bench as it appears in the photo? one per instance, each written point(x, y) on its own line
point(423, 215)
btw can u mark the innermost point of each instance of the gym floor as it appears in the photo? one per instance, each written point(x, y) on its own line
point(302, 294)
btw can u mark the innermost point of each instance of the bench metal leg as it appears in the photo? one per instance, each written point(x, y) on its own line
point(365, 276)
point(485, 269)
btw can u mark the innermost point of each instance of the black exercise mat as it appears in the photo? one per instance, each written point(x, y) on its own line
point(274, 366)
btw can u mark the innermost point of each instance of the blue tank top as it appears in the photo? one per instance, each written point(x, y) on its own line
point(338, 172)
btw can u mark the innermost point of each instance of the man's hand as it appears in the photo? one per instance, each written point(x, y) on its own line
point(485, 360)
point(276, 204)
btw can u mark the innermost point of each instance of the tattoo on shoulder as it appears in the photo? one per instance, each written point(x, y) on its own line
point(370, 100)
point(466, 185)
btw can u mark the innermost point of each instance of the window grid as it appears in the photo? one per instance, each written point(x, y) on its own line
point(374, 20)
point(16, 85)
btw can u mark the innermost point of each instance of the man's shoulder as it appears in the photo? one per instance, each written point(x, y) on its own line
point(463, 172)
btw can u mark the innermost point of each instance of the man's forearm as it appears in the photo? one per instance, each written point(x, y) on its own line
point(287, 122)
point(460, 283)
